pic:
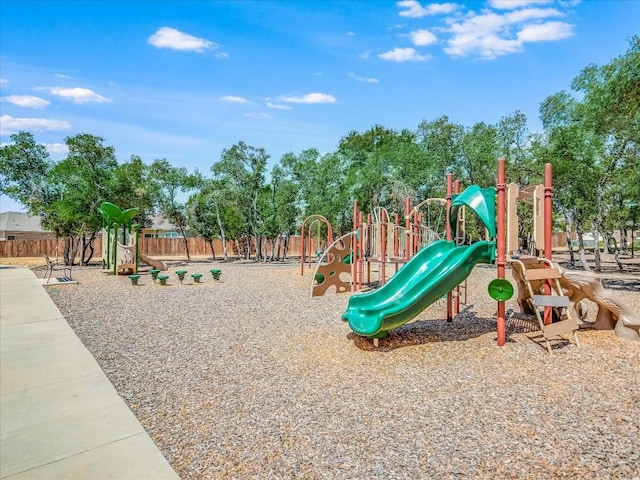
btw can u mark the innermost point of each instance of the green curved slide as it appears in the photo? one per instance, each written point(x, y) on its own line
point(435, 270)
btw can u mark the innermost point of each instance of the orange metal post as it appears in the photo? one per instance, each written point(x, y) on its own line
point(456, 189)
point(396, 239)
point(354, 248)
point(448, 198)
point(383, 247)
point(309, 247)
point(501, 239)
point(370, 229)
point(302, 253)
point(360, 256)
point(407, 228)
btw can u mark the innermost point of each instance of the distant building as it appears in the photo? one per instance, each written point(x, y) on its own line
point(22, 226)
point(160, 229)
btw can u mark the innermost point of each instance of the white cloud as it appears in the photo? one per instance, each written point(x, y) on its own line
point(491, 34)
point(415, 10)
point(513, 4)
point(27, 101)
point(545, 32)
point(61, 75)
point(234, 99)
point(350, 34)
point(77, 94)
point(421, 38)
point(278, 106)
point(224, 55)
point(3, 82)
point(404, 55)
point(502, 27)
point(362, 79)
point(9, 124)
point(167, 37)
point(310, 98)
point(527, 14)
point(259, 115)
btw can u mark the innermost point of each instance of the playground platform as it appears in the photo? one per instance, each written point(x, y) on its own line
point(60, 417)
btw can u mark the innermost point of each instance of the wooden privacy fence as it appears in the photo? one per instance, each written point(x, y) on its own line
point(153, 247)
point(160, 247)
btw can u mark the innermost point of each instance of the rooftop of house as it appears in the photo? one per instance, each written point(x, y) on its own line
point(19, 222)
point(23, 222)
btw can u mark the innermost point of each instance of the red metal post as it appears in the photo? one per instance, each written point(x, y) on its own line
point(456, 190)
point(383, 247)
point(501, 244)
point(354, 248)
point(370, 246)
point(448, 198)
point(360, 256)
point(407, 229)
point(302, 251)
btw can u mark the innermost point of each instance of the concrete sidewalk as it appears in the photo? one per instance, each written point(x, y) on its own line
point(60, 417)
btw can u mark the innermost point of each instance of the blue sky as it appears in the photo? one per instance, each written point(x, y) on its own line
point(183, 80)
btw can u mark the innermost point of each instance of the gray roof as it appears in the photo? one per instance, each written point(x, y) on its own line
point(19, 222)
point(23, 222)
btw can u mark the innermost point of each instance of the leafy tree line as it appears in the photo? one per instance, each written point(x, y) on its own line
point(591, 136)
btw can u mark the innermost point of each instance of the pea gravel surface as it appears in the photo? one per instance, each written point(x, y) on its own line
point(250, 377)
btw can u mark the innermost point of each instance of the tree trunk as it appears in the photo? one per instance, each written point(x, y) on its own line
point(225, 254)
point(616, 251)
point(67, 250)
point(88, 245)
point(581, 254)
point(623, 240)
point(596, 250)
point(213, 252)
point(186, 242)
point(572, 260)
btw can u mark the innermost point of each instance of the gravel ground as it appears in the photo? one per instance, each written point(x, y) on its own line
point(250, 377)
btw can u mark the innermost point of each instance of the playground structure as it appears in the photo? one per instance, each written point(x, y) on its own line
point(122, 257)
point(439, 269)
point(573, 286)
point(434, 271)
point(376, 243)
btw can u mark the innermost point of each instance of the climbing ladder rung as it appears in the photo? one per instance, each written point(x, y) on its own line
point(551, 301)
point(542, 273)
point(557, 328)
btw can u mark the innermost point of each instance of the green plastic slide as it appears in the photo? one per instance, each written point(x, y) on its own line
point(430, 274)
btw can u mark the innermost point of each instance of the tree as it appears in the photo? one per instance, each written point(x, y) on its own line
point(83, 179)
point(441, 142)
point(166, 183)
point(611, 108)
point(243, 168)
point(596, 136)
point(24, 167)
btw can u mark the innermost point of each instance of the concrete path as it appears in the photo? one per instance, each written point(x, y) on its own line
point(60, 417)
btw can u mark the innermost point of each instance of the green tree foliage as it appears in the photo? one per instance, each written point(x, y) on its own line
point(594, 142)
point(24, 167)
point(166, 183)
point(242, 168)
